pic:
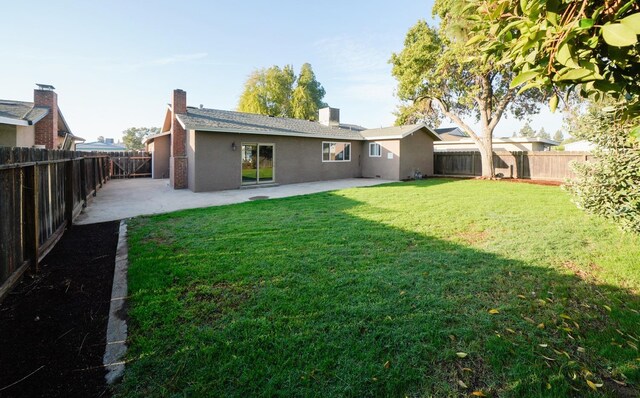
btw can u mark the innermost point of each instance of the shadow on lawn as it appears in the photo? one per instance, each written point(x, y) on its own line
point(307, 296)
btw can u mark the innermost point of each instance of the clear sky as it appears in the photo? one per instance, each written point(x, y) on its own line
point(114, 63)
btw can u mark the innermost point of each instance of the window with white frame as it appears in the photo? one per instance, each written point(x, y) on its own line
point(375, 151)
point(336, 152)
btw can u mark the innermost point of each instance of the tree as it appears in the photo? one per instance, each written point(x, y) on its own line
point(307, 96)
point(270, 91)
point(441, 69)
point(542, 133)
point(134, 136)
point(527, 131)
point(558, 136)
point(100, 138)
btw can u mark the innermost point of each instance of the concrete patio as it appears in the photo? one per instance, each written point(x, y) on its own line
point(120, 199)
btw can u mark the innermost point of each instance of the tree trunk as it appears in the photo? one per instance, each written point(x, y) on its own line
point(486, 154)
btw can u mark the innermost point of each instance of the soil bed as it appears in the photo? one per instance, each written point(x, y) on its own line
point(53, 325)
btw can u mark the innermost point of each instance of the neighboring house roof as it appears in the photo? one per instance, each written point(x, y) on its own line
point(584, 146)
point(451, 133)
point(21, 113)
point(466, 142)
point(203, 119)
point(98, 146)
point(397, 132)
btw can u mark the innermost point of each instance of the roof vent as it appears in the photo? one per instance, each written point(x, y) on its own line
point(46, 87)
point(201, 106)
point(329, 116)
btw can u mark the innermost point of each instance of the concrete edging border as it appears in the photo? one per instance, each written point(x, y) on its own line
point(116, 345)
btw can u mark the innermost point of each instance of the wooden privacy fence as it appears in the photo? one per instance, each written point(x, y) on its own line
point(535, 165)
point(41, 191)
point(129, 164)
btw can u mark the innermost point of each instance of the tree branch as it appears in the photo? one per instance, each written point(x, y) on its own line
point(457, 120)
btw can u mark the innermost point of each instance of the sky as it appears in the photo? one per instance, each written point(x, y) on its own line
point(115, 63)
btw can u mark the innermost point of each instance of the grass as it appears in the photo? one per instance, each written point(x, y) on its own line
point(250, 174)
point(433, 288)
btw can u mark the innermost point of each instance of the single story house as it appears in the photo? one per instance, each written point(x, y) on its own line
point(36, 124)
point(101, 146)
point(580, 146)
point(208, 149)
point(514, 144)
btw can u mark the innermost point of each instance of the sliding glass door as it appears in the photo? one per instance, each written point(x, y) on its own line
point(257, 163)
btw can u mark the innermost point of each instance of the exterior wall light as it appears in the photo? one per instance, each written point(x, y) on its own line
point(233, 146)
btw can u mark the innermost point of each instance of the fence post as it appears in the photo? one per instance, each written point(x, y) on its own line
point(31, 210)
point(68, 192)
point(94, 163)
point(83, 181)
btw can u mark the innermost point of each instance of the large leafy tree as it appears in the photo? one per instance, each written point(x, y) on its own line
point(307, 96)
point(133, 137)
point(440, 71)
point(279, 92)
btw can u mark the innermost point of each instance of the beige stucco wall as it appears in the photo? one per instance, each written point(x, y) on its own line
point(382, 167)
point(26, 136)
point(7, 135)
point(296, 159)
point(416, 153)
point(160, 157)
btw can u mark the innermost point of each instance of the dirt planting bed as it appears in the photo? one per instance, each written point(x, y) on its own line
point(53, 325)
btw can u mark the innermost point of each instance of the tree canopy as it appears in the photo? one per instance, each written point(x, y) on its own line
point(588, 45)
point(279, 92)
point(438, 71)
point(134, 136)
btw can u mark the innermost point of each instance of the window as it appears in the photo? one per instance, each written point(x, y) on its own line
point(374, 150)
point(336, 152)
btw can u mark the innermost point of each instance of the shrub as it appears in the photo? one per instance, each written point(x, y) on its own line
point(610, 185)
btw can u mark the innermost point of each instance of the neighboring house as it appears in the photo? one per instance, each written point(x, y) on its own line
point(580, 146)
point(39, 123)
point(209, 149)
point(98, 146)
point(451, 133)
point(499, 144)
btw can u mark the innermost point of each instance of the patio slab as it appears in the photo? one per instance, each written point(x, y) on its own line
point(121, 199)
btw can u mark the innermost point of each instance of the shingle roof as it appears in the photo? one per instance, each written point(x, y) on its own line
point(204, 119)
point(22, 110)
point(228, 121)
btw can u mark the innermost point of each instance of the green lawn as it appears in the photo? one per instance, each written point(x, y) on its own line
point(433, 288)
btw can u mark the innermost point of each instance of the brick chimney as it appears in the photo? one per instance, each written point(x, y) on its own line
point(46, 130)
point(178, 160)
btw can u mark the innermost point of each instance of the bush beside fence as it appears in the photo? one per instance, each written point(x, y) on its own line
point(535, 165)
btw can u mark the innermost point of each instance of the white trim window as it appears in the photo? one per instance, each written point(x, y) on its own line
point(336, 151)
point(375, 151)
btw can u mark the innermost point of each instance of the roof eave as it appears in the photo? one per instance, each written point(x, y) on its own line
point(273, 132)
point(15, 122)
